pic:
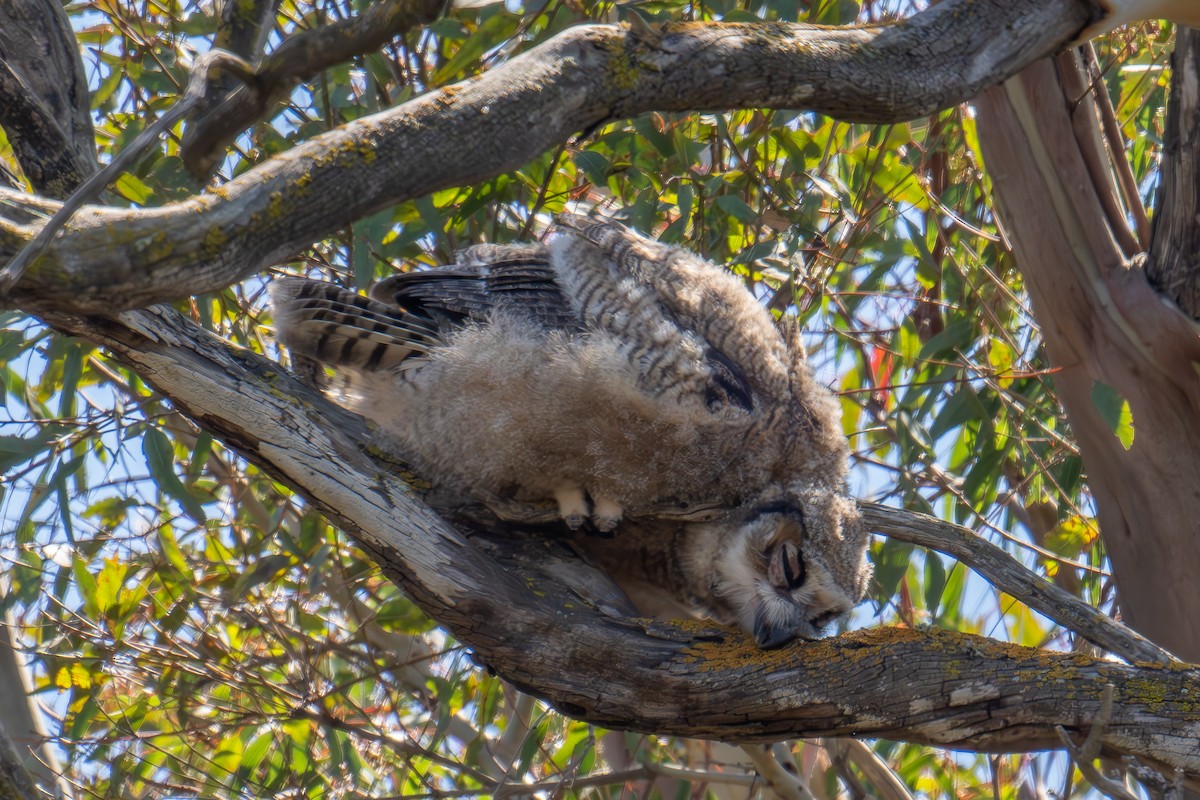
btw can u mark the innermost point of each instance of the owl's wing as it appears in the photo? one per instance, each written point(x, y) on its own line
point(514, 277)
point(409, 313)
point(659, 287)
point(337, 327)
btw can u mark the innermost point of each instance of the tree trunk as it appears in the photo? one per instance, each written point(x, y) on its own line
point(1104, 324)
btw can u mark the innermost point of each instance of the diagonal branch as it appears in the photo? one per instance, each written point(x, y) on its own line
point(584, 76)
point(687, 679)
point(1008, 575)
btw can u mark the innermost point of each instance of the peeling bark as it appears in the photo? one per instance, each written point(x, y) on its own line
point(1174, 268)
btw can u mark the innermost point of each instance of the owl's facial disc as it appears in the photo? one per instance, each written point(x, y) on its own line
point(786, 592)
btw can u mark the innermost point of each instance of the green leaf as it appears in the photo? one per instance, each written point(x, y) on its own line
point(1114, 410)
point(594, 166)
point(200, 453)
point(169, 547)
point(962, 406)
point(1000, 359)
point(85, 584)
point(491, 33)
point(953, 339)
point(16, 450)
point(737, 208)
point(368, 234)
point(935, 583)
point(133, 189)
point(891, 562)
point(72, 369)
point(160, 457)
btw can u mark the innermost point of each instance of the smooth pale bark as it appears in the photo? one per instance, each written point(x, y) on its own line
point(1103, 323)
point(1123, 12)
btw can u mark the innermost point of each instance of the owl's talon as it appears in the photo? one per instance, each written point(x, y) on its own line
point(572, 506)
point(605, 524)
point(606, 514)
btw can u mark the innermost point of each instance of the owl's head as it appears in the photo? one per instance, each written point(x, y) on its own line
point(792, 565)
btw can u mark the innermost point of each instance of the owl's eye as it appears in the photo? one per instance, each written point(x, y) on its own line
point(785, 569)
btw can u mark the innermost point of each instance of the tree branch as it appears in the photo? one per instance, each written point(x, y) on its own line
point(688, 679)
point(298, 59)
point(44, 96)
point(1174, 262)
point(1008, 575)
point(109, 259)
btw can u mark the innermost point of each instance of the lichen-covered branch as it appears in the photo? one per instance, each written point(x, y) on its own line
point(110, 259)
point(687, 679)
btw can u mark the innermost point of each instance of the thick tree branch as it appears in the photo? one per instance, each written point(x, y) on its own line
point(110, 259)
point(44, 97)
point(99, 180)
point(688, 679)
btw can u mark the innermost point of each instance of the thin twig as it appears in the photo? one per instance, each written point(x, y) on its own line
point(1086, 753)
point(886, 782)
point(786, 785)
point(1010, 576)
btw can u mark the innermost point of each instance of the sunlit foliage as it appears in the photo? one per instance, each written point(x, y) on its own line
point(195, 630)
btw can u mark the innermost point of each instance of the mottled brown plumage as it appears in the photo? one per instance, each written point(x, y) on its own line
point(617, 376)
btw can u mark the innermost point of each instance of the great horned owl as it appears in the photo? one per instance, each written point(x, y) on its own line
point(617, 376)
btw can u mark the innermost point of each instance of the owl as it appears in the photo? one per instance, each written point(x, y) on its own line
point(628, 383)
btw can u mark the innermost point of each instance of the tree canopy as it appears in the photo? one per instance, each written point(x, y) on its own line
point(222, 587)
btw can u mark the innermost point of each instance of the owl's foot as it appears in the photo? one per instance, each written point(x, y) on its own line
point(574, 509)
point(606, 513)
point(572, 506)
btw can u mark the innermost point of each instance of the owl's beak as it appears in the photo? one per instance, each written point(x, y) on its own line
point(768, 635)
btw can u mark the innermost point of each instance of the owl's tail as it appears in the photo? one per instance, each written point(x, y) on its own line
point(347, 331)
